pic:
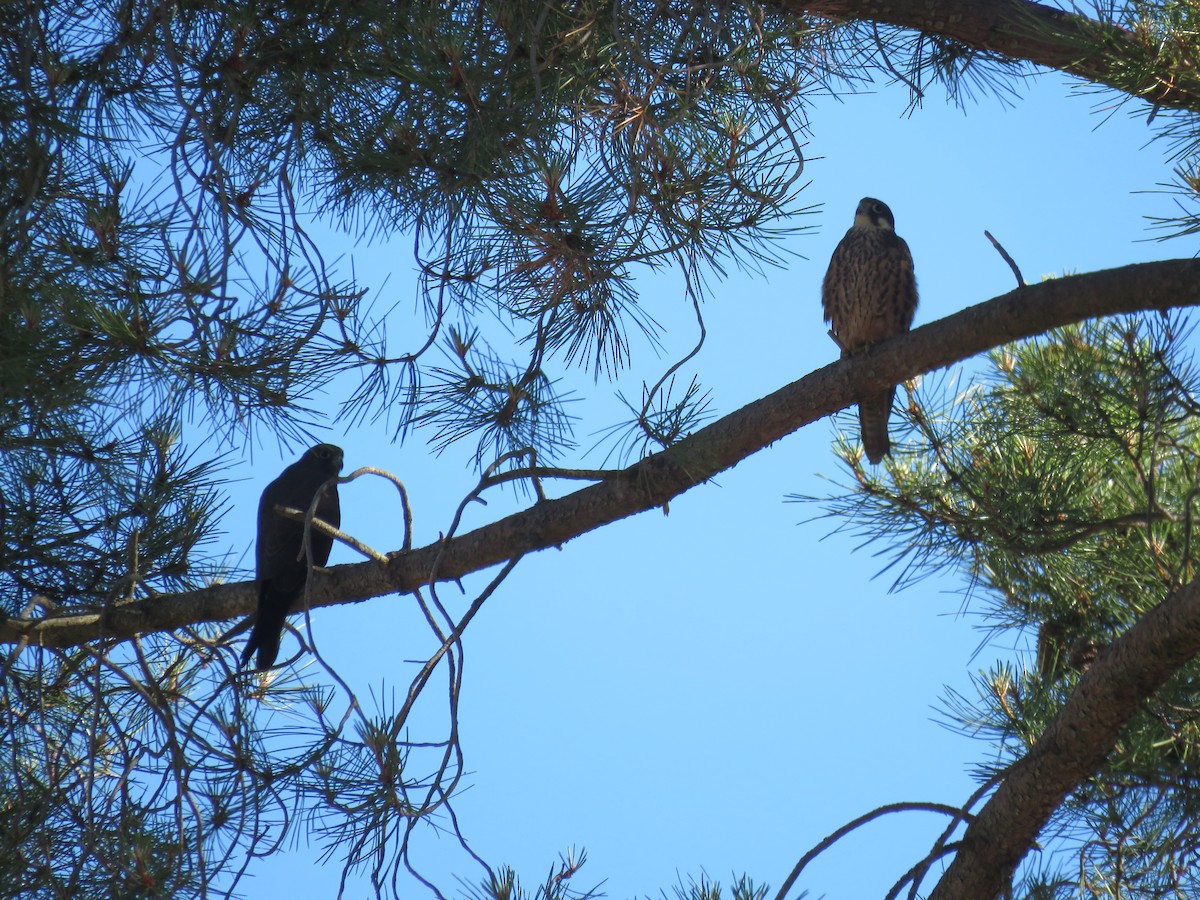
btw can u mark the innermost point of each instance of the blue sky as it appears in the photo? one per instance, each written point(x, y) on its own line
point(715, 690)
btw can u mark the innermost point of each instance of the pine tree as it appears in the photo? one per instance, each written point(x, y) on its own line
point(162, 299)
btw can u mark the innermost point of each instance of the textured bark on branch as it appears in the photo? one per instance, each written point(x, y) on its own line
point(654, 481)
point(1073, 746)
point(1133, 62)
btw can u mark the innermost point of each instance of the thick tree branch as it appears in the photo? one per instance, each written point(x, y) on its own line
point(1134, 62)
point(1073, 746)
point(654, 481)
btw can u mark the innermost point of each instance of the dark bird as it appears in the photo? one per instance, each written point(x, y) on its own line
point(280, 561)
point(870, 295)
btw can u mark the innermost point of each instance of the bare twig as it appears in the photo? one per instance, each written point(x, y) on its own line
point(1008, 259)
point(853, 825)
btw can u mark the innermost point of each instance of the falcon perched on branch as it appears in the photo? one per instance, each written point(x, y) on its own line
point(281, 562)
point(870, 295)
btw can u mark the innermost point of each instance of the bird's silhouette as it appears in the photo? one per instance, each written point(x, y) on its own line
point(280, 561)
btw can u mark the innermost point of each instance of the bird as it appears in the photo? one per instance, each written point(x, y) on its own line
point(869, 295)
point(281, 565)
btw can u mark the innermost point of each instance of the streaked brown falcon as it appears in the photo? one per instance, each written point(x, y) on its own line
point(870, 295)
point(281, 565)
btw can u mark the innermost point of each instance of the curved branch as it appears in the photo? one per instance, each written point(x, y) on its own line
point(658, 478)
point(953, 812)
point(1073, 746)
point(1131, 62)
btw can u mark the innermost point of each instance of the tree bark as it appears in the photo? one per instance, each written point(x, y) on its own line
point(1072, 747)
point(1138, 62)
point(657, 479)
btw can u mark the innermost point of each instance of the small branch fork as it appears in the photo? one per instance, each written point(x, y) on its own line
point(942, 847)
point(382, 840)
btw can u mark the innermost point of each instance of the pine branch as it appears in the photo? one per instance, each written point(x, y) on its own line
point(657, 479)
point(1074, 745)
point(1133, 62)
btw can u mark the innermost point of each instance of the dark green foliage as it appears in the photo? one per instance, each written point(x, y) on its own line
point(86, 526)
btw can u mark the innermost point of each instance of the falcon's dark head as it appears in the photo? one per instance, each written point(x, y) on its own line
point(872, 213)
point(327, 456)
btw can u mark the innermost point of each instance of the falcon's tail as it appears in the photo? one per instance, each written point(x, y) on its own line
point(873, 413)
point(273, 608)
